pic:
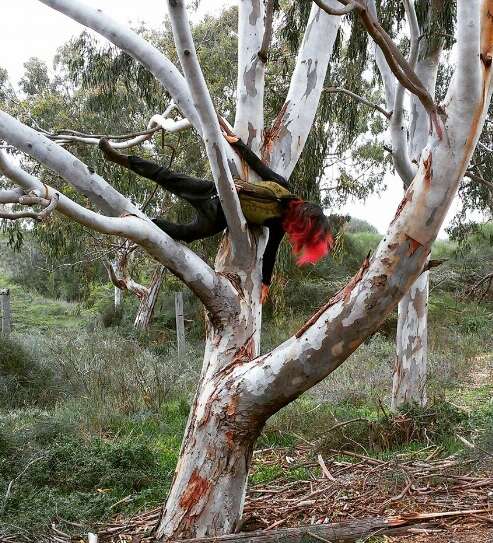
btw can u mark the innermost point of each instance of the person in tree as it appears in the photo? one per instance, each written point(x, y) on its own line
point(267, 203)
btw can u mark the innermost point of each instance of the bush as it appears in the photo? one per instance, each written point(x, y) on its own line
point(22, 380)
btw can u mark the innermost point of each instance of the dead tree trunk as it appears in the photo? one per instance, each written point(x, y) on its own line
point(5, 310)
point(148, 300)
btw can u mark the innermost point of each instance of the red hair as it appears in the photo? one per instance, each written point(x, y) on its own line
point(308, 231)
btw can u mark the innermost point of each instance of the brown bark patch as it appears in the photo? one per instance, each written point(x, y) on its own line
point(414, 245)
point(229, 439)
point(427, 163)
point(272, 133)
point(232, 405)
point(196, 489)
point(379, 281)
point(400, 207)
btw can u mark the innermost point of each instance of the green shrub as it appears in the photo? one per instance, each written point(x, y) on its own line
point(22, 380)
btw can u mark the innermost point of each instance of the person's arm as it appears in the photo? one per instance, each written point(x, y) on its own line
point(276, 233)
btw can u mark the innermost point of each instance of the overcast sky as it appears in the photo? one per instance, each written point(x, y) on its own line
point(29, 28)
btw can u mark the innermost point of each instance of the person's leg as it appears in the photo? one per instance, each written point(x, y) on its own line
point(201, 227)
point(189, 188)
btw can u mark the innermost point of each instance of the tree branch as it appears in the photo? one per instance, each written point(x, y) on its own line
point(216, 293)
point(322, 4)
point(18, 197)
point(156, 123)
point(252, 29)
point(361, 99)
point(214, 142)
point(398, 128)
point(427, 71)
point(285, 140)
point(75, 172)
point(130, 42)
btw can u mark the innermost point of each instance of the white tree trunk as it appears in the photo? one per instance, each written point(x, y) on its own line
point(148, 301)
point(409, 381)
point(238, 390)
point(210, 479)
point(410, 369)
point(118, 299)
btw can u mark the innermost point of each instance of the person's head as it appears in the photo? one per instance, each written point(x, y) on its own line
point(308, 231)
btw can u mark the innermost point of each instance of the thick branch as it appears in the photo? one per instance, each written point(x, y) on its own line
point(215, 292)
point(361, 99)
point(75, 172)
point(249, 121)
point(130, 42)
point(322, 4)
point(398, 128)
point(285, 141)
point(213, 139)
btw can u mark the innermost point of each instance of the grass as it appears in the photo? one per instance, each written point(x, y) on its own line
point(30, 311)
point(101, 435)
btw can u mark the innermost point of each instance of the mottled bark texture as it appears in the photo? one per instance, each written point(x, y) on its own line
point(411, 346)
point(239, 390)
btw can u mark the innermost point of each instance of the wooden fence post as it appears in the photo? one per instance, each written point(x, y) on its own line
point(5, 311)
point(180, 324)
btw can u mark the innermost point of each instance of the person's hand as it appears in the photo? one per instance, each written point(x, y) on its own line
point(264, 294)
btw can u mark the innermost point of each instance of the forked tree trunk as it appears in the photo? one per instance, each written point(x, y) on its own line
point(210, 479)
point(409, 382)
point(148, 301)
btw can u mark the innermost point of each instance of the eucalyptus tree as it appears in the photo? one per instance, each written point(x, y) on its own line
point(239, 389)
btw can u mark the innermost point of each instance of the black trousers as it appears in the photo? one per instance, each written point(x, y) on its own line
point(202, 195)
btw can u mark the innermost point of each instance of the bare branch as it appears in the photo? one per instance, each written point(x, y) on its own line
point(130, 42)
point(359, 98)
point(119, 274)
point(213, 139)
point(252, 29)
point(75, 172)
point(156, 123)
point(398, 128)
point(32, 199)
point(322, 4)
point(285, 140)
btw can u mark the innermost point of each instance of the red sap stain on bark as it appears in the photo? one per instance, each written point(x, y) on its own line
point(196, 488)
point(343, 294)
point(272, 133)
point(229, 439)
point(413, 246)
point(232, 405)
point(427, 163)
point(400, 207)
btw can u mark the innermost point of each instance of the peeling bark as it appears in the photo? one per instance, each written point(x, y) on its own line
point(148, 302)
point(412, 346)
